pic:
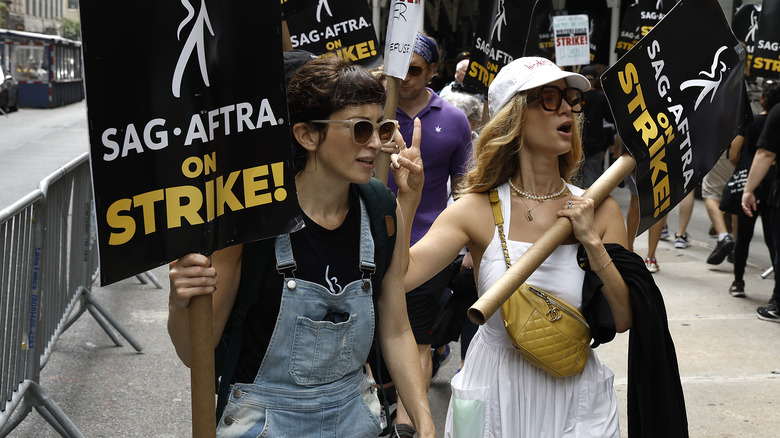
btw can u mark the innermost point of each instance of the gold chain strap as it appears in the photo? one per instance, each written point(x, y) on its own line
point(498, 218)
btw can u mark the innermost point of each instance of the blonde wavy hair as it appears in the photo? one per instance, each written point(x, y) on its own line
point(496, 154)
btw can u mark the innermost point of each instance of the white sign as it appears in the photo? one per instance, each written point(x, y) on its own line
point(402, 25)
point(572, 46)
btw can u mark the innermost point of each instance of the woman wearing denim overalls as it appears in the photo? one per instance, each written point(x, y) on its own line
point(301, 371)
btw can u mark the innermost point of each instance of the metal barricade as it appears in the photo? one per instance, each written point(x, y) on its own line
point(48, 266)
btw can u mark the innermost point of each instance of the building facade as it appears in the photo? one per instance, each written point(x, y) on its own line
point(39, 16)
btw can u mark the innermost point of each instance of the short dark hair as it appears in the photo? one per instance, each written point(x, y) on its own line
point(770, 91)
point(324, 86)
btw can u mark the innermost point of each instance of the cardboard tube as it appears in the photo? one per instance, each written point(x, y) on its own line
point(520, 270)
point(382, 165)
point(204, 416)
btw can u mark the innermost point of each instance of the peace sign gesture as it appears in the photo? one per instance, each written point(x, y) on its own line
point(407, 165)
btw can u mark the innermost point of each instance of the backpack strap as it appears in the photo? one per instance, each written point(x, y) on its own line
point(380, 203)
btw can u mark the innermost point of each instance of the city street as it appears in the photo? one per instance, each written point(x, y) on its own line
point(729, 360)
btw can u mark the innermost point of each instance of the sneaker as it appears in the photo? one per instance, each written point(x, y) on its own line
point(665, 233)
point(737, 288)
point(403, 431)
point(722, 249)
point(439, 359)
point(652, 264)
point(769, 313)
point(681, 241)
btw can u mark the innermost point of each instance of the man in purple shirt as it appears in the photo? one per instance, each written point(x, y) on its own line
point(446, 148)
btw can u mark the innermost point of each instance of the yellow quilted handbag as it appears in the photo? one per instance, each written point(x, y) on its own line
point(548, 332)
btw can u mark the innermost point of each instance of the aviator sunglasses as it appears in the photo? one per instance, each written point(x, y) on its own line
point(415, 70)
point(552, 96)
point(363, 129)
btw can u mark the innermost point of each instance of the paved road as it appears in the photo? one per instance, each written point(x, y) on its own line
point(36, 142)
point(729, 360)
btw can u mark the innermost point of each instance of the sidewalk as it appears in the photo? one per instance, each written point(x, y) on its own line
point(729, 360)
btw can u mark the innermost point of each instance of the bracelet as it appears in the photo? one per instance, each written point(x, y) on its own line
point(602, 254)
point(603, 267)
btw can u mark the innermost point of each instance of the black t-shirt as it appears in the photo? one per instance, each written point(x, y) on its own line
point(596, 111)
point(751, 134)
point(330, 258)
point(770, 135)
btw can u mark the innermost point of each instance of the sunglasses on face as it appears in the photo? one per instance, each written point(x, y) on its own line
point(415, 70)
point(551, 97)
point(362, 129)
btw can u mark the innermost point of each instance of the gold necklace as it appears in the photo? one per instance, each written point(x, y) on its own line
point(539, 198)
point(528, 216)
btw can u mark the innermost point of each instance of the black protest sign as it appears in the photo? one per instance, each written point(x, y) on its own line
point(340, 28)
point(676, 118)
point(189, 140)
point(744, 25)
point(500, 38)
point(541, 38)
point(599, 39)
point(766, 57)
point(638, 19)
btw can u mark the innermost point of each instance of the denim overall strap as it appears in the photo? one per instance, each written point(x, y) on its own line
point(285, 261)
point(313, 380)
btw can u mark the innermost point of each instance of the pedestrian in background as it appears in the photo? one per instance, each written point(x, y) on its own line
point(595, 137)
point(766, 154)
point(712, 191)
point(746, 145)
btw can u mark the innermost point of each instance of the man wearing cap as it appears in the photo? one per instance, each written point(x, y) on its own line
point(445, 147)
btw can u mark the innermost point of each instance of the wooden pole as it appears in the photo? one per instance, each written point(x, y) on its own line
point(519, 272)
point(286, 41)
point(204, 416)
point(382, 167)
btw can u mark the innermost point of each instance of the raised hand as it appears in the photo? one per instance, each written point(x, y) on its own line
point(407, 165)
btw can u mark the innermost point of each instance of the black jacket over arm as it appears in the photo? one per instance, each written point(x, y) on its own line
point(656, 405)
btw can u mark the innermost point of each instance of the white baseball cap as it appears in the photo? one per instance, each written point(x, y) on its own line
point(527, 73)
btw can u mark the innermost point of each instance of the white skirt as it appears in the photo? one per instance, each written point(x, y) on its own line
point(499, 394)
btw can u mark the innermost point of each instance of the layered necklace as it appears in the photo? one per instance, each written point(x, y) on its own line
point(538, 198)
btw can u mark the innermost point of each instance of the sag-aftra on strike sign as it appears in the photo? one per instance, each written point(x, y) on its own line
point(676, 118)
point(189, 137)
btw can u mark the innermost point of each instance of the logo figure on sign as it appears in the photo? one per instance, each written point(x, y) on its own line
point(707, 85)
point(195, 41)
point(751, 35)
point(500, 20)
point(323, 4)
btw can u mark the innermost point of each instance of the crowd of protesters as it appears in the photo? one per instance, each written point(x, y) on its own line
point(541, 146)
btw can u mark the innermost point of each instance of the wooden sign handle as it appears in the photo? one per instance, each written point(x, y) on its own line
point(204, 416)
point(382, 167)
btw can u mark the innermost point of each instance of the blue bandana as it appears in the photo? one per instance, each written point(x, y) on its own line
point(426, 48)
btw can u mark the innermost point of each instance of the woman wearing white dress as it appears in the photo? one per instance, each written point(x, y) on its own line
point(528, 151)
